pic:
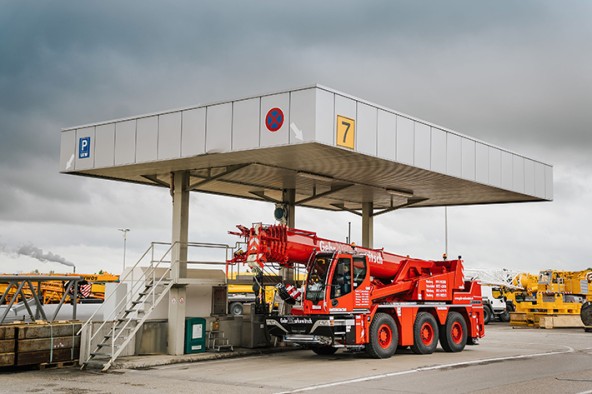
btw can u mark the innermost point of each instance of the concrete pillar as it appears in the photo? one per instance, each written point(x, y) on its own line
point(177, 295)
point(368, 224)
point(289, 198)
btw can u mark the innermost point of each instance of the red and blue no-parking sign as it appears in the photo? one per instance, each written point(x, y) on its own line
point(274, 119)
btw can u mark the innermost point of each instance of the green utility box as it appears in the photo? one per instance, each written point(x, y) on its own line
point(195, 335)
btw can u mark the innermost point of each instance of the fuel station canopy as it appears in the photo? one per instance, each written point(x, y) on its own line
point(313, 147)
point(336, 151)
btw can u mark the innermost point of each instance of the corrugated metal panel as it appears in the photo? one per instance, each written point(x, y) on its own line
point(495, 167)
point(529, 177)
point(438, 162)
point(366, 134)
point(325, 118)
point(147, 139)
point(548, 182)
point(405, 140)
point(169, 136)
point(125, 142)
point(539, 180)
point(346, 107)
point(105, 145)
point(387, 134)
point(302, 115)
point(468, 159)
point(193, 135)
point(518, 173)
point(219, 128)
point(281, 136)
point(481, 163)
point(67, 150)
point(422, 146)
point(507, 175)
point(245, 124)
point(453, 155)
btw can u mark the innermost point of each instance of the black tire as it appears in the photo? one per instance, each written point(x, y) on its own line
point(425, 334)
point(505, 316)
point(324, 350)
point(487, 314)
point(384, 336)
point(453, 335)
point(235, 309)
point(586, 313)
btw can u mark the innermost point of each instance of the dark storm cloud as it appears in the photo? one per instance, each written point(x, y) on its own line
point(516, 74)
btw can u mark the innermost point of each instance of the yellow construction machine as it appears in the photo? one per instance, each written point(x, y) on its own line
point(53, 291)
point(551, 293)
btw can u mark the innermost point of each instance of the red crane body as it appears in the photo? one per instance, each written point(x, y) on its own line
point(381, 299)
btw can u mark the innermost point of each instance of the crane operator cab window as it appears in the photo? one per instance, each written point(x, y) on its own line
point(359, 270)
point(317, 277)
point(342, 278)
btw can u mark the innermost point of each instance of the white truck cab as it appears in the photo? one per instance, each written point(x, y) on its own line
point(494, 304)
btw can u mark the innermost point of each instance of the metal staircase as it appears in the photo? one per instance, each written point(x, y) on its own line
point(128, 317)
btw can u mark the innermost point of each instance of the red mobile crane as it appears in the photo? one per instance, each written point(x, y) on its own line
point(359, 298)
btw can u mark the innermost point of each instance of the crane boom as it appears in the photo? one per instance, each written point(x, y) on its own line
point(288, 247)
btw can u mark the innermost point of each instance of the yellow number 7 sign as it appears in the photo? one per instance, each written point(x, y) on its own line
point(346, 132)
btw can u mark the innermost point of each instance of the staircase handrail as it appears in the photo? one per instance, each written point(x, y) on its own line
point(121, 281)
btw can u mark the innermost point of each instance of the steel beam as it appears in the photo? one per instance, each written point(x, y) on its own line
point(368, 225)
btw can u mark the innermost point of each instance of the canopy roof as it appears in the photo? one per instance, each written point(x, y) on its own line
point(335, 150)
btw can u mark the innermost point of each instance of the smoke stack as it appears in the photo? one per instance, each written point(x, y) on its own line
point(36, 253)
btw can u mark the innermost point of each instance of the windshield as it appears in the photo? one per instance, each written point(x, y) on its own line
point(317, 277)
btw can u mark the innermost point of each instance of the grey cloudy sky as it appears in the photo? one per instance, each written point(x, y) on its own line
point(515, 74)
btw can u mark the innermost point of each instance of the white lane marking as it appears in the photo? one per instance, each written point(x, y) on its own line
point(421, 369)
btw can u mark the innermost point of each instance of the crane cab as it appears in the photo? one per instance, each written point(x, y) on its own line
point(337, 283)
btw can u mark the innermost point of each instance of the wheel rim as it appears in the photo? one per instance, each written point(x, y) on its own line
point(385, 336)
point(456, 332)
point(427, 334)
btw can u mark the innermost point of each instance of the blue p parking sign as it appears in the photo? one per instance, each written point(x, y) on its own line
point(84, 148)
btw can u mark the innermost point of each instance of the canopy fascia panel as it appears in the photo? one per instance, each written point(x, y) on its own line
point(335, 150)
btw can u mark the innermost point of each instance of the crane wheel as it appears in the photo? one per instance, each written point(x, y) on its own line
point(453, 335)
point(384, 336)
point(425, 334)
point(586, 313)
point(324, 350)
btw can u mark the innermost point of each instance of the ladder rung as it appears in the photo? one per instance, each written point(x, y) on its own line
point(101, 345)
point(122, 319)
point(98, 354)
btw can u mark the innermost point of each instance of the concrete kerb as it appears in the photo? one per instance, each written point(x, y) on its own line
point(156, 360)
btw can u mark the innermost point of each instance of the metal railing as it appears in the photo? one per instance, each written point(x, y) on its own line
point(143, 289)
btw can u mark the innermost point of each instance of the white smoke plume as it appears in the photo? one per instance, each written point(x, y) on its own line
point(32, 251)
